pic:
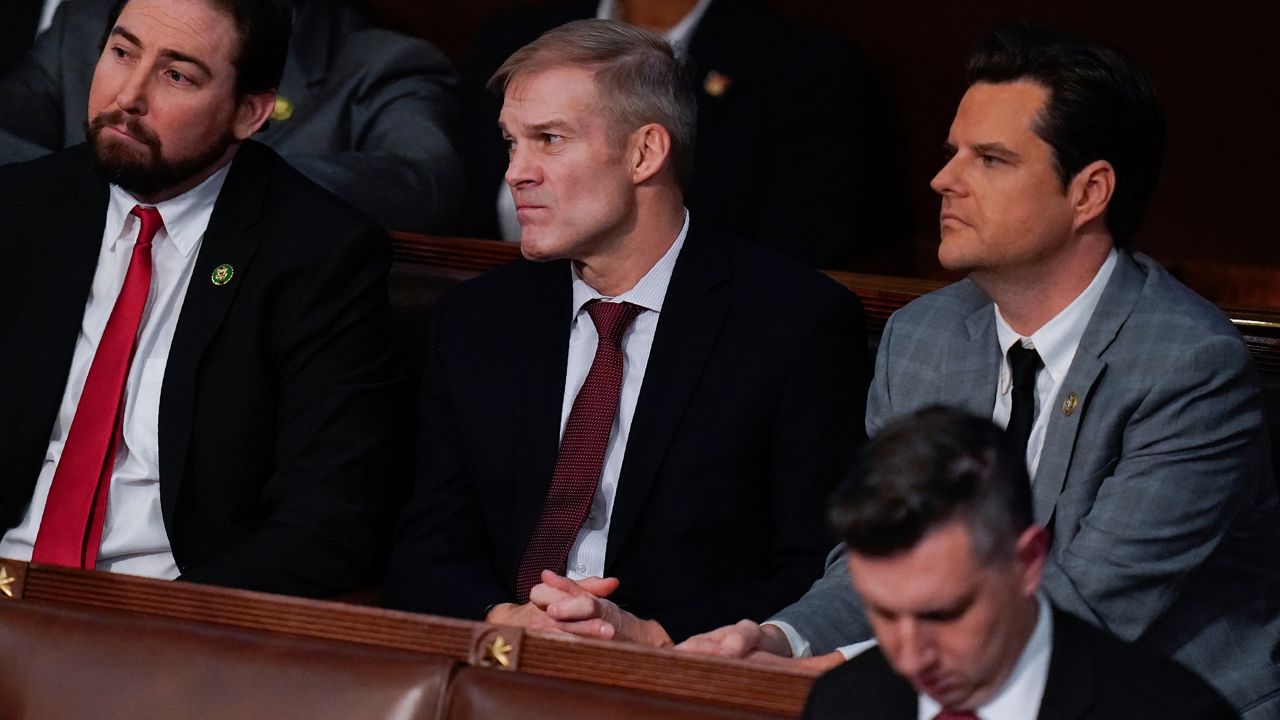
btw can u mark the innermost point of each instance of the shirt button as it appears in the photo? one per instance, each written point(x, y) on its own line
point(580, 568)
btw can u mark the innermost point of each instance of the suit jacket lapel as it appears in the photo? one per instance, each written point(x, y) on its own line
point(543, 335)
point(1072, 403)
point(230, 239)
point(692, 313)
point(972, 364)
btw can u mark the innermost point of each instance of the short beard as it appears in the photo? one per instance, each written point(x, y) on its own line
point(154, 174)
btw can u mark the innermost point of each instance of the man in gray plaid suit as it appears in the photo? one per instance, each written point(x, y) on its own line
point(1136, 399)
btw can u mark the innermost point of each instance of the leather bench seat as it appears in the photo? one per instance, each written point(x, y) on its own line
point(61, 662)
point(483, 694)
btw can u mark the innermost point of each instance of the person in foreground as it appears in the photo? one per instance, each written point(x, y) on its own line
point(646, 402)
point(198, 345)
point(1135, 399)
point(944, 553)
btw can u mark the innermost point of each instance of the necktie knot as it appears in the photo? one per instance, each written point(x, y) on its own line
point(612, 319)
point(151, 224)
point(957, 714)
point(1024, 362)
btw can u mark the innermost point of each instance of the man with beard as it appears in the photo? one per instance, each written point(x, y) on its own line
point(197, 337)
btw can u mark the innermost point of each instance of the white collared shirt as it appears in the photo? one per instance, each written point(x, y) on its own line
point(134, 540)
point(586, 557)
point(1056, 342)
point(1020, 695)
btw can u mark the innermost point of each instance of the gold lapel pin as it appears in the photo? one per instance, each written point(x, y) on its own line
point(222, 274)
point(1069, 405)
point(716, 84)
point(283, 109)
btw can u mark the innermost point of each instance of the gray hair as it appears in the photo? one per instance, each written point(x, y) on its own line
point(637, 75)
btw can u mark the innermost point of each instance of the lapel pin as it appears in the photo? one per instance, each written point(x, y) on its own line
point(1069, 405)
point(283, 109)
point(716, 84)
point(222, 274)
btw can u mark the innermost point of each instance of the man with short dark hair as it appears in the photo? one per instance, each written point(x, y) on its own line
point(1135, 399)
point(199, 358)
point(652, 413)
point(944, 553)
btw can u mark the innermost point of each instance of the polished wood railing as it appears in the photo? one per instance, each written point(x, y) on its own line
point(733, 684)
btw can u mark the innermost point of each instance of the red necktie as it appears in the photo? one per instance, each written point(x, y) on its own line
point(956, 715)
point(71, 527)
point(586, 436)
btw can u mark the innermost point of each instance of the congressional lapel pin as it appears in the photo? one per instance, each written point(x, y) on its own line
point(1069, 405)
point(717, 83)
point(222, 274)
point(283, 109)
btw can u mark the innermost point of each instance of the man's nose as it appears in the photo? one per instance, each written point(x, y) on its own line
point(132, 97)
point(522, 169)
point(948, 181)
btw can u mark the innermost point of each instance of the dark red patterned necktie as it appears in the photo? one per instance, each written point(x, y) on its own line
point(586, 436)
point(71, 526)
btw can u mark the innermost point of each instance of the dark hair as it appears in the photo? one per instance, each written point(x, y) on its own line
point(925, 469)
point(262, 27)
point(1100, 106)
point(637, 75)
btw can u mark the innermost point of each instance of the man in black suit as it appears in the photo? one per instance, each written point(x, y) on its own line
point(198, 362)
point(786, 154)
point(722, 404)
point(945, 554)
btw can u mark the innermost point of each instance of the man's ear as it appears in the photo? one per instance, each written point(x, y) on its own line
point(650, 152)
point(1091, 190)
point(252, 111)
point(1030, 553)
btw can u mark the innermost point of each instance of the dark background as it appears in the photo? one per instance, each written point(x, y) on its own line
point(1214, 64)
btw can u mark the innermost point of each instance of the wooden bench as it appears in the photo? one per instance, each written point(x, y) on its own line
point(91, 644)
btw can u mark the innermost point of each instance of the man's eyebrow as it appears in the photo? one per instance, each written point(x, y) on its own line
point(124, 33)
point(1000, 150)
point(165, 53)
point(183, 57)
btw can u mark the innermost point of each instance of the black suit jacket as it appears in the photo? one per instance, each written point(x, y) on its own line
point(1091, 676)
point(781, 156)
point(274, 405)
point(751, 399)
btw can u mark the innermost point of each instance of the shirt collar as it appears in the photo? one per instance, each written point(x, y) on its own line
point(678, 36)
point(185, 217)
point(1056, 341)
point(1021, 693)
point(648, 293)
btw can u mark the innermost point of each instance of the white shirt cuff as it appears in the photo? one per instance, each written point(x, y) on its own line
point(855, 649)
point(799, 646)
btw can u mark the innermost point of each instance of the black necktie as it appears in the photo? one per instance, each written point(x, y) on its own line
point(1023, 364)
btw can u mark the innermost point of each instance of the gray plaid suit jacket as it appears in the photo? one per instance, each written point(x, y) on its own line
point(1157, 485)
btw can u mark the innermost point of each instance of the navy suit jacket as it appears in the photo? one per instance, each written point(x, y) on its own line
point(750, 403)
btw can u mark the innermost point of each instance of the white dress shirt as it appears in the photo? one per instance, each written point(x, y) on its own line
point(134, 540)
point(1020, 695)
point(586, 557)
point(678, 36)
point(1056, 342)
